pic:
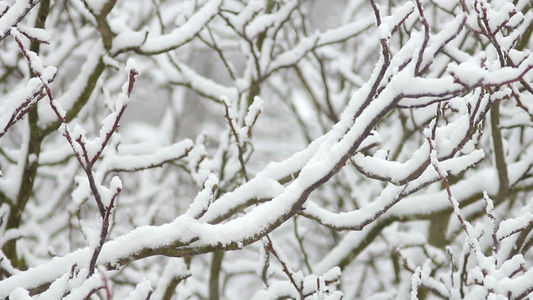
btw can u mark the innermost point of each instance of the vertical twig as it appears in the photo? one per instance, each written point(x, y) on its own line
point(425, 23)
point(494, 225)
point(237, 140)
point(285, 266)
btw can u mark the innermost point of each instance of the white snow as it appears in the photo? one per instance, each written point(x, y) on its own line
point(183, 33)
point(202, 201)
point(13, 14)
point(129, 39)
point(141, 292)
point(96, 5)
point(242, 211)
point(253, 111)
point(510, 226)
point(39, 34)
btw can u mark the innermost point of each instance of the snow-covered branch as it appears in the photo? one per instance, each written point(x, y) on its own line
point(270, 149)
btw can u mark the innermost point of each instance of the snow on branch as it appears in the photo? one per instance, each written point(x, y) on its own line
point(384, 151)
point(182, 34)
point(11, 16)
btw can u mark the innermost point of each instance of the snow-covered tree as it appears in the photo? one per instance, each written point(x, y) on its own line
point(266, 149)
